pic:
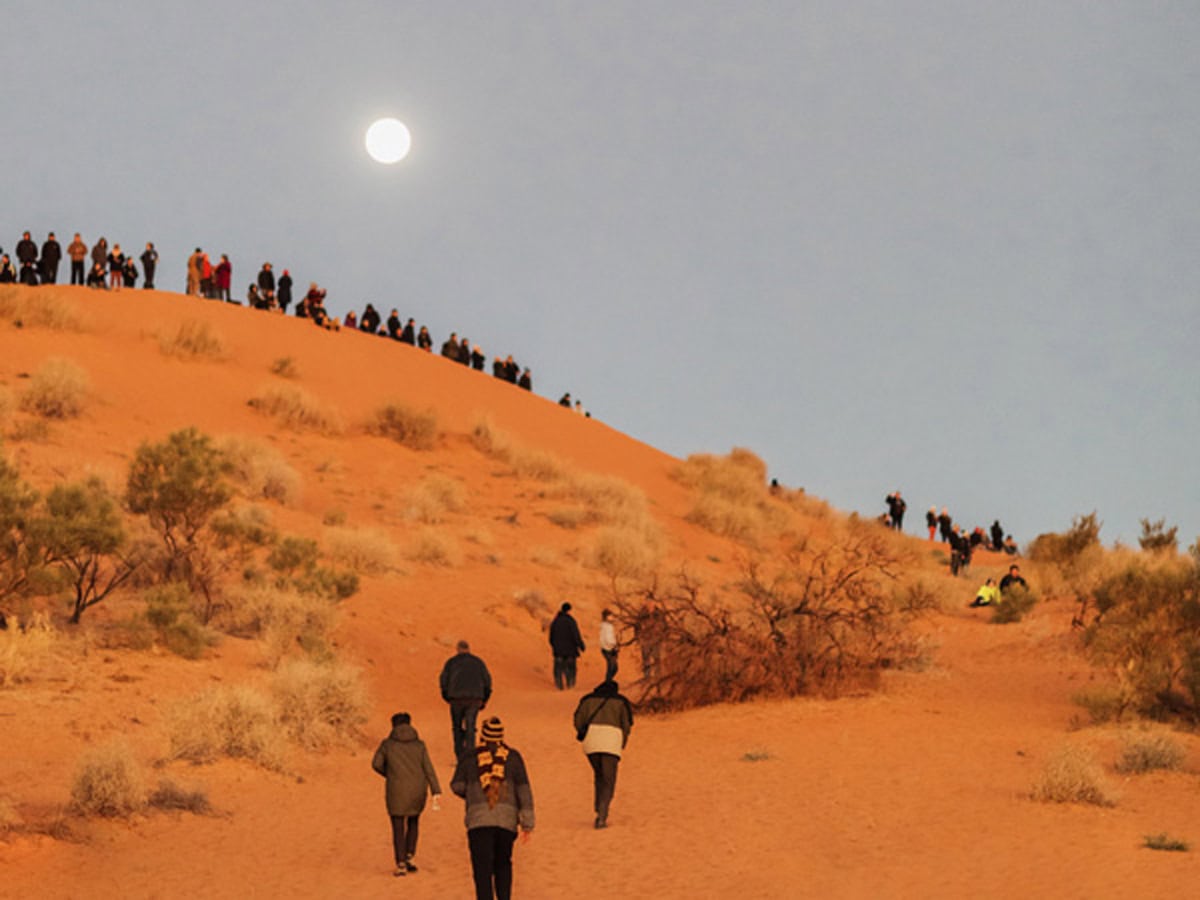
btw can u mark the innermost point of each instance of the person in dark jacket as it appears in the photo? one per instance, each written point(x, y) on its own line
point(526, 381)
point(283, 296)
point(477, 359)
point(566, 643)
point(51, 257)
point(1012, 580)
point(266, 279)
point(409, 334)
point(370, 320)
point(8, 275)
point(27, 251)
point(116, 268)
point(129, 273)
point(931, 522)
point(944, 523)
point(603, 720)
point(997, 536)
point(466, 685)
point(495, 785)
point(450, 347)
point(403, 760)
point(149, 266)
point(393, 325)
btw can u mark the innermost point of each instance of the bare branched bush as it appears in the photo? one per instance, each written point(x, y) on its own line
point(1156, 537)
point(1149, 751)
point(258, 470)
point(57, 390)
point(1072, 775)
point(297, 409)
point(367, 551)
point(432, 498)
point(194, 339)
point(108, 782)
point(406, 426)
point(234, 721)
point(319, 703)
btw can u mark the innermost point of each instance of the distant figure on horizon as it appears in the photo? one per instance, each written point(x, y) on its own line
point(603, 720)
point(393, 325)
point(97, 277)
point(193, 273)
point(997, 536)
point(129, 273)
point(116, 266)
point(283, 295)
point(51, 257)
point(931, 522)
point(409, 334)
point(565, 400)
point(405, 764)
point(349, 321)
point(477, 359)
point(450, 347)
point(77, 250)
point(896, 507)
point(425, 340)
point(27, 256)
point(944, 523)
point(566, 643)
point(207, 289)
point(224, 278)
point(149, 266)
point(609, 647)
point(499, 799)
point(266, 280)
point(466, 685)
point(8, 274)
point(526, 380)
point(370, 320)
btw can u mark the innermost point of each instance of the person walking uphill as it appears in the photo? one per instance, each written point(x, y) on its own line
point(499, 800)
point(609, 647)
point(466, 685)
point(603, 721)
point(566, 643)
point(403, 760)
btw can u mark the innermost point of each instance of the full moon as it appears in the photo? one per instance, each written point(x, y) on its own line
point(388, 141)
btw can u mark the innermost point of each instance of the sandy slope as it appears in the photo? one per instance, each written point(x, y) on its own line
point(919, 790)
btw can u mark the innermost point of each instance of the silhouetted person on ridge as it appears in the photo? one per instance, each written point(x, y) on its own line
point(408, 335)
point(526, 380)
point(931, 522)
point(149, 266)
point(425, 340)
point(77, 250)
point(944, 523)
point(565, 400)
point(393, 325)
point(129, 273)
point(997, 536)
point(51, 257)
point(477, 359)
point(370, 320)
point(464, 352)
point(266, 279)
point(284, 293)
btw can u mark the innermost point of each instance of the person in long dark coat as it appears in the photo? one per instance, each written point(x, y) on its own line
point(566, 643)
point(283, 296)
point(403, 760)
point(51, 257)
point(149, 266)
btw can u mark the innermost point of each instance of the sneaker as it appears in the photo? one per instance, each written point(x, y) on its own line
point(410, 865)
point(401, 869)
point(601, 822)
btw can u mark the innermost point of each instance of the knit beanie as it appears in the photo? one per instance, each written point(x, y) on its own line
point(492, 731)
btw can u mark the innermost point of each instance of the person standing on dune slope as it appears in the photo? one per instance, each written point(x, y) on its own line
point(466, 685)
point(403, 760)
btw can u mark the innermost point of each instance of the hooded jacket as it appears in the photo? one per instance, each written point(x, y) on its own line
point(403, 760)
point(608, 717)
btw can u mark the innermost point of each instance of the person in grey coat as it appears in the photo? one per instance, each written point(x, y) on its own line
point(403, 760)
point(499, 800)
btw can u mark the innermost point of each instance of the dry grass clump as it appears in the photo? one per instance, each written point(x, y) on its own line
point(319, 704)
point(405, 426)
point(922, 593)
point(297, 409)
point(108, 782)
point(10, 816)
point(1104, 703)
point(623, 552)
point(730, 518)
point(607, 499)
point(1163, 841)
point(24, 652)
point(287, 620)
point(363, 550)
point(7, 404)
point(488, 439)
point(732, 495)
point(41, 309)
point(432, 498)
point(526, 462)
point(170, 796)
point(1146, 751)
point(194, 339)
point(57, 390)
point(259, 470)
point(434, 548)
point(1072, 775)
point(235, 721)
point(285, 367)
point(569, 516)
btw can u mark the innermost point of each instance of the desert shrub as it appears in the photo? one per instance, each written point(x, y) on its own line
point(258, 470)
point(242, 529)
point(285, 367)
point(432, 498)
point(170, 614)
point(319, 703)
point(108, 782)
point(606, 499)
point(81, 534)
point(533, 602)
point(194, 340)
point(1164, 841)
point(488, 439)
point(24, 651)
point(171, 797)
point(40, 309)
point(7, 404)
point(730, 518)
point(1146, 751)
point(540, 465)
point(1072, 775)
point(297, 409)
point(406, 426)
point(1065, 548)
point(20, 558)
point(732, 498)
point(57, 390)
point(235, 721)
point(1014, 604)
point(286, 619)
point(1156, 537)
point(1104, 703)
point(10, 816)
point(433, 547)
point(1146, 630)
point(296, 560)
point(621, 552)
point(759, 754)
point(363, 550)
point(569, 516)
point(29, 429)
point(816, 620)
point(923, 593)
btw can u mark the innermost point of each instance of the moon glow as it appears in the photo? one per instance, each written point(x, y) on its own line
point(388, 141)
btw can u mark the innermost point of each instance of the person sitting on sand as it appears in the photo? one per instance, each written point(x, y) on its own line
point(425, 340)
point(1012, 579)
point(8, 274)
point(97, 278)
point(403, 760)
point(987, 595)
point(350, 321)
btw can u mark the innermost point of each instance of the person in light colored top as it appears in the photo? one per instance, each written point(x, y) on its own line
point(608, 644)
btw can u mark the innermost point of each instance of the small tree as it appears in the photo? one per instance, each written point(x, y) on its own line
point(1156, 537)
point(178, 485)
point(18, 557)
point(82, 534)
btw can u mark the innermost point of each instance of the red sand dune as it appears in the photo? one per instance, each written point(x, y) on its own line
point(918, 790)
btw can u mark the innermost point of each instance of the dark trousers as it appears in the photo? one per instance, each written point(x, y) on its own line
point(610, 664)
point(77, 271)
point(564, 671)
point(404, 837)
point(491, 862)
point(49, 273)
point(462, 725)
point(148, 284)
point(604, 780)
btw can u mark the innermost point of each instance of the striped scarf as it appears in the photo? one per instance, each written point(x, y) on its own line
point(492, 760)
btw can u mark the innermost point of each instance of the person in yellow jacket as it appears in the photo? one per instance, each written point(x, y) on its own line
point(987, 595)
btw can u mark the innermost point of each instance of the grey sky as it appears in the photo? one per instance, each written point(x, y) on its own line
point(944, 247)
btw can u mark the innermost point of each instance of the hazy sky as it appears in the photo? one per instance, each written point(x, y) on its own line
point(946, 247)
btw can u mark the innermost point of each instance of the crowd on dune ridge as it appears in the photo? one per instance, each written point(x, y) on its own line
point(113, 269)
